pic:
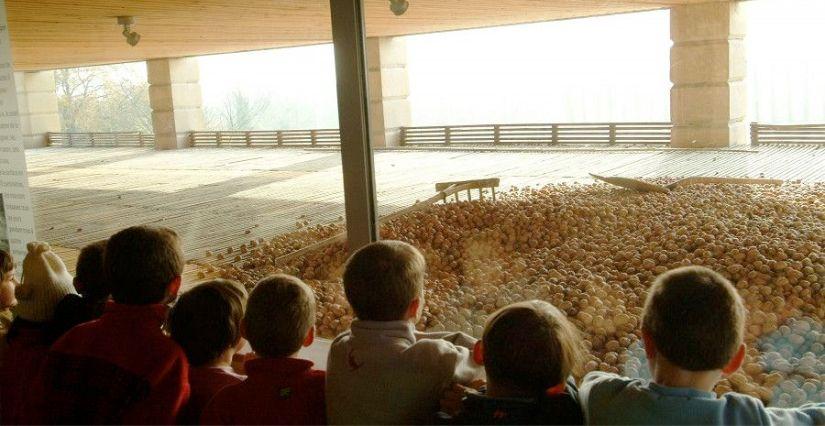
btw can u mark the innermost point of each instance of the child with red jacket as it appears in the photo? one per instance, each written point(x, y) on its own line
point(206, 323)
point(280, 388)
point(121, 368)
point(45, 282)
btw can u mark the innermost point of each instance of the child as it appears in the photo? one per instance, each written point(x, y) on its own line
point(529, 351)
point(90, 281)
point(7, 286)
point(206, 323)
point(45, 282)
point(382, 370)
point(121, 368)
point(692, 327)
point(281, 389)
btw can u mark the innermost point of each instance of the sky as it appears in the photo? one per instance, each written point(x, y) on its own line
point(613, 68)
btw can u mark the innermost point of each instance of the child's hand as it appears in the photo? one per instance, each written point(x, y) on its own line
point(451, 399)
point(238, 361)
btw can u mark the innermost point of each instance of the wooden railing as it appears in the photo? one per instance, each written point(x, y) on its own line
point(102, 139)
point(264, 138)
point(539, 134)
point(551, 134)
point(762, 134)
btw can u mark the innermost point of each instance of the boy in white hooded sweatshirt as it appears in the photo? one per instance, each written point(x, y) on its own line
point(382, 371)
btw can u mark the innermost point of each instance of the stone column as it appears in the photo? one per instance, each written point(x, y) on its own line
point(37, 104)
point(388, 89)
point(708, 101)
point(175, 97)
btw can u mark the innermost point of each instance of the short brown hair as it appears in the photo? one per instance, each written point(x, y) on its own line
point(531, 346)
point(280, 312)
point(6, 264)
point(695, 317)
point(206, 320)
point(383, 278)
point(89, 271)
point(140, 262)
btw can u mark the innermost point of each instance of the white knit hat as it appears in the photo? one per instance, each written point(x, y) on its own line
point(45, 283)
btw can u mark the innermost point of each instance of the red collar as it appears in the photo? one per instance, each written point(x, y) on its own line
point(140, 313)
point(276, 367)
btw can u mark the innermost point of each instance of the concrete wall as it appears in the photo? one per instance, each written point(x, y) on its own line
point(175, 98)
point(388, 89)
point(708, 101)
point(37, 101)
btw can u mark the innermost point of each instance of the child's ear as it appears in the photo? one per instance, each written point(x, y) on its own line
point(174, 287)
point(310, 336)
point(478, 353)
point(650, 347)
point(735, 362)
point(412, 310)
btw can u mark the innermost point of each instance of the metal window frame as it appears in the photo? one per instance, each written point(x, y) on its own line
point(349, 41)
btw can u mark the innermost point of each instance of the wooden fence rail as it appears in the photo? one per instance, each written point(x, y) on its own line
point(549, 134)
point(101, 139)
point(762, 134)
point(263, 138)
point(657, 133)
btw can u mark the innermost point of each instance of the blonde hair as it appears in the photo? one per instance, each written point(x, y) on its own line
point(383, 278)
point(279, 314)
point(531, 346)
point(695, 317)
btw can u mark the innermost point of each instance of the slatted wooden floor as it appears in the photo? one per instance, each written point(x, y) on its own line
point(217, 197)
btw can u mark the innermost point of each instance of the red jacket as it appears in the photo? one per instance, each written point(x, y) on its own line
point(205, 383)
point(118, 369)
point(28, 345)
point(285, 391)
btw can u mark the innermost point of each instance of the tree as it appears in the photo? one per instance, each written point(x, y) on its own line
point(237, 112)
point(103, 99)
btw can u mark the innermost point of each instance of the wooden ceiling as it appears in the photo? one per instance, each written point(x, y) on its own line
point(48, 34)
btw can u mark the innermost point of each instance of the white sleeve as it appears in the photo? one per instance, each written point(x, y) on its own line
point(455, 337)
point(808, 414)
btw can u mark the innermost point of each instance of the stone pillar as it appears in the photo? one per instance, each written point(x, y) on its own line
point(37, 104)
point(175, 97)
point(708, 101)
point(388, 89)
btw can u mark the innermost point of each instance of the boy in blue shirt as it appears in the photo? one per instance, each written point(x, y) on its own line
point(692, 327)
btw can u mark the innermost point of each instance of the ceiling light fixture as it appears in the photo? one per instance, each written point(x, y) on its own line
point(132, 37)
point(398, 7)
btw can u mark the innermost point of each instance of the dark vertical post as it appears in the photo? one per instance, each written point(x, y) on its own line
point(348, 38)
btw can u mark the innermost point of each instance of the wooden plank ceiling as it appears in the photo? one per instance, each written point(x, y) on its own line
point(48, 34)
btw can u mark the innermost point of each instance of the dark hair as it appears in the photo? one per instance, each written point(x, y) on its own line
point(89, 272)
point(140, 262)
point(531, 346)
point(6, 264)
point(280, 312)
point(695, 317)
point(206, 320)
point(383, 278)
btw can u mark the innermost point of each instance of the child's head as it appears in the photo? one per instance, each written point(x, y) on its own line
point(90, 278)
point(206, 321)
point(529, 347)
point(695, 319)
point(384, 281)
point(6, 266)
point(144, 265)
point(46, 281)
point(7, 281)
point(280, 316)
